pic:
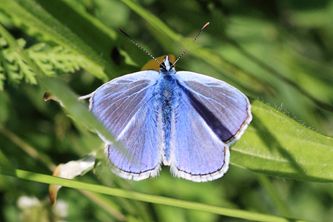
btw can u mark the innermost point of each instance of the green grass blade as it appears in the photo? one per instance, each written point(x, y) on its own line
point(280, 205)
point(241, 214)
point(77, 110)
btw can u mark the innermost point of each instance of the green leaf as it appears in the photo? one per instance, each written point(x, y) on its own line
point(41, 178)
point(277, 145)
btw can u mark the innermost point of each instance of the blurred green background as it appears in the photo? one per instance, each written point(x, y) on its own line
point(279, 52)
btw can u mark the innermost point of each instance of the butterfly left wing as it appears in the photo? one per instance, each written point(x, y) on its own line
point(126, 108)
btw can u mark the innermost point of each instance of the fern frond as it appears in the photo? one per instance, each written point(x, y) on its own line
point(14, 68)
point(54, 60)
point(51, 59)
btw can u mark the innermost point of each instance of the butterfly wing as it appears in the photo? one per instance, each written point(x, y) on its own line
point(209, 115)
point(126, 107)
point(197, 153)
point(225, 109)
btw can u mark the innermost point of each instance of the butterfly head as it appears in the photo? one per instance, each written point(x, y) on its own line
point(166, 66)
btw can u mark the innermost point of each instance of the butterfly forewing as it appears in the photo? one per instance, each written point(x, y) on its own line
point(224, 108)
point(116, 102)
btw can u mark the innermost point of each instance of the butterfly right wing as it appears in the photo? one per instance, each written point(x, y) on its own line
point(127, 108)
point(208, 116)
point(197, 153)
point(225, 109)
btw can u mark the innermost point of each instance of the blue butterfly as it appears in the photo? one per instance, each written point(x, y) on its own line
point(183, 119)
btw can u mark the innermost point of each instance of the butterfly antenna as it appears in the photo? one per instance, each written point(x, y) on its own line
point(185, 51)
point(139, 46)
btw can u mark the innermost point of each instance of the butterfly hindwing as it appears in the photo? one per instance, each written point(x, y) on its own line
point(125, 106)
